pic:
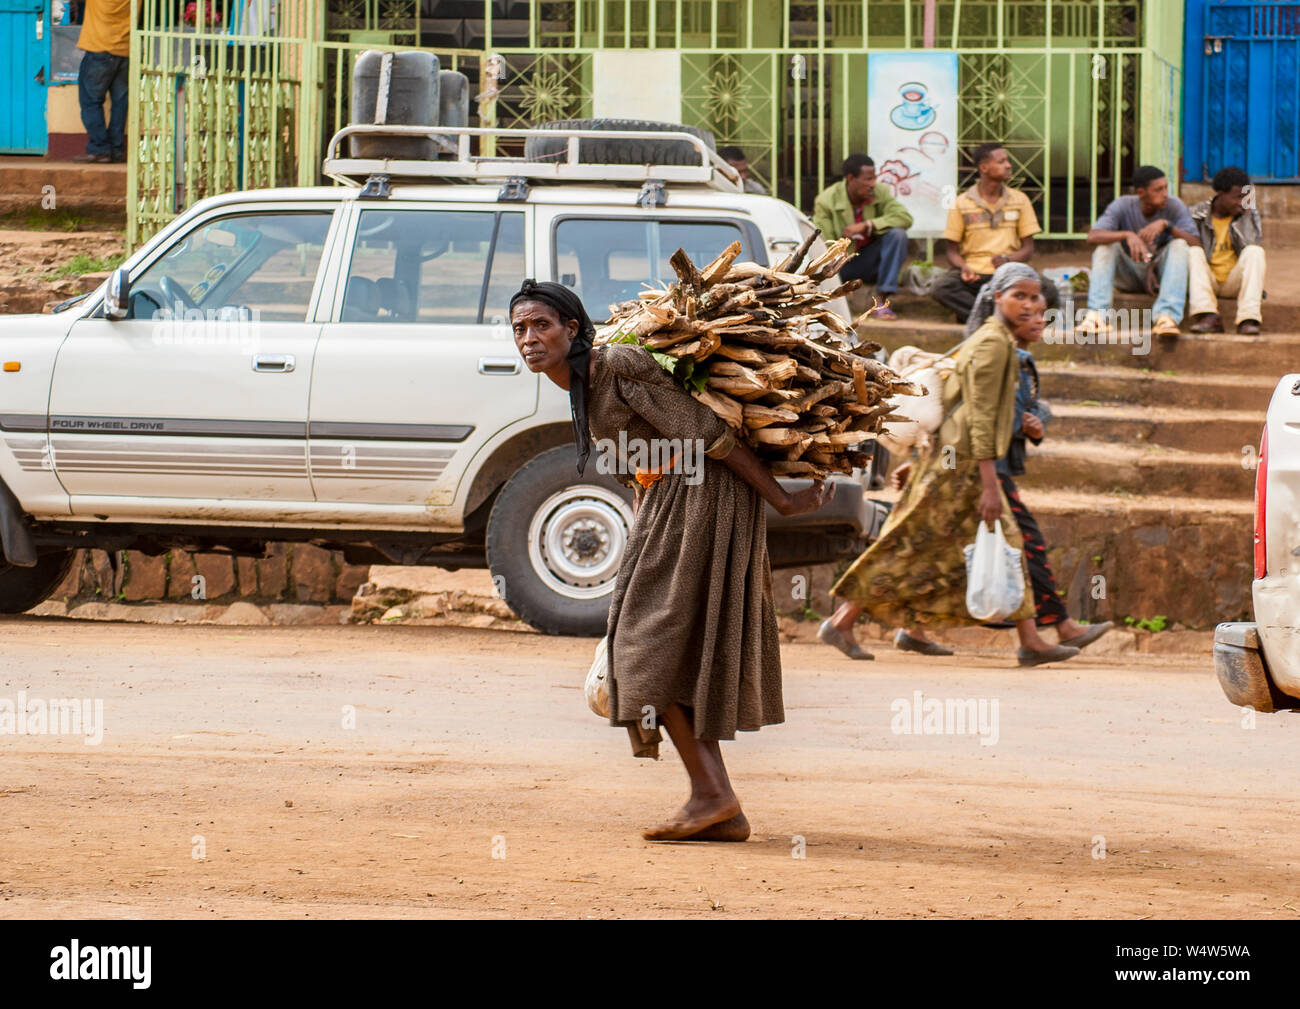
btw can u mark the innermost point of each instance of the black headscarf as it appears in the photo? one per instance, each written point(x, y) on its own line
point(569, 306)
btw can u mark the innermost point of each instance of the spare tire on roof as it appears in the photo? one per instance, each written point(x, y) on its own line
point(616, 151)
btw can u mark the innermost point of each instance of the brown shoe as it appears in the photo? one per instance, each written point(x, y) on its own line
point(1207, 322)
point(1248, 327)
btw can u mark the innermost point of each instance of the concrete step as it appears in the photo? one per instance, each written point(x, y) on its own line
point(1139, 470)
point(1270, 354)
point(1187, 559)
point(1221, 432)
point(1281, 311)
point(89, 189)
point(1094, 385)
point(1114, 556)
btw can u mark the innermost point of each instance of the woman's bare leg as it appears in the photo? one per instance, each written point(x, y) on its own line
point(1029, 636)
point(712, 798)
point(844, 619)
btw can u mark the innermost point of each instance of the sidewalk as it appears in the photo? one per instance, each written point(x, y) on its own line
point(85, 188)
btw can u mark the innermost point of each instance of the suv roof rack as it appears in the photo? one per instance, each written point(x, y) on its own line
point(712, 171)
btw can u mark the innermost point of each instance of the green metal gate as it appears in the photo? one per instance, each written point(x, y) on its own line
point(1079, 91)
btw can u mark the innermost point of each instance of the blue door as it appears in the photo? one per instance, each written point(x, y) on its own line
point(1242, 89)
point(24, 67)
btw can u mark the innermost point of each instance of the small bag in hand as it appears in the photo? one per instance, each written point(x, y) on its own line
point(995, 583)
point(597, 686)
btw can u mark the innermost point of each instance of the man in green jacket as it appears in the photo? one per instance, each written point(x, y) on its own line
point(857, 208)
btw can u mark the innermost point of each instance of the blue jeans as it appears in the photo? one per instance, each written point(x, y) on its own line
point(1113, 267)
point(880, 261)
point(100, 75)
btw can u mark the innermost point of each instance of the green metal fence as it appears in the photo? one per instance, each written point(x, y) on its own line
point(1079, 91)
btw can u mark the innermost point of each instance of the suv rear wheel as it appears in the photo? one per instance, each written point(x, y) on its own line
point(23, 588)
point(555, 541)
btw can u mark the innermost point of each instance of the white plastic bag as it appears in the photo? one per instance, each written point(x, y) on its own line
point(597, 686)
point(995, 584)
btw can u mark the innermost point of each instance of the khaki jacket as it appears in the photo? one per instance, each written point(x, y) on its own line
point(982, 388)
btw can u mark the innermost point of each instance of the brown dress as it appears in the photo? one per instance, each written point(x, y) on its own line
point(692, 619)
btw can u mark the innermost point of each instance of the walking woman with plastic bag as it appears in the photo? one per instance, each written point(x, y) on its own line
point(692, 642)
point(914, 575)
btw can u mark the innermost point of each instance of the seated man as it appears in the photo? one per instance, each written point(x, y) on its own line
point(735, 157)
point(1228, 259)
point(988, 225)
point(1141, 246)
point(857, 208)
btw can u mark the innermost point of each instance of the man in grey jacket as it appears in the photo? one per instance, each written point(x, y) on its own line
point(1229, 259)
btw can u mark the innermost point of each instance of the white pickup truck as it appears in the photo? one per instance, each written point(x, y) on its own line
point(1258, 664)
point(334, 365)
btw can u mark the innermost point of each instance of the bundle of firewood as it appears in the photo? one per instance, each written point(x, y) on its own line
point(760, 347)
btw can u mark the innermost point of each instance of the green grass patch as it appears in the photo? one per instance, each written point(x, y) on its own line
point(81, 264)
point(1153, 624)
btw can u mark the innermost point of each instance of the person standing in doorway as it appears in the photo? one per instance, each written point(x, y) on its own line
point(105, 41)
point(1229, 258)
point(988, 225)
point(859, 208)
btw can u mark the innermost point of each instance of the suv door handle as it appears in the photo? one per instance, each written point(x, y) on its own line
point(498, 365)
point(276, 363)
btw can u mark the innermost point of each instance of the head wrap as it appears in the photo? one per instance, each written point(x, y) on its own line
point(1005, 276)
point(569, 306)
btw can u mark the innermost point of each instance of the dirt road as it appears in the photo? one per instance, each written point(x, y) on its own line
point(229, 743)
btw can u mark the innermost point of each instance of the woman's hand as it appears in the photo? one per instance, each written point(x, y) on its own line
point(741, 461)
point(1032, 425)
point(801, 502)
point(991, 496)
point(901, 475)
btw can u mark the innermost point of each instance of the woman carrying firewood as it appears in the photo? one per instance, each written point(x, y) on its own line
point(692, 634)
point(914, 575)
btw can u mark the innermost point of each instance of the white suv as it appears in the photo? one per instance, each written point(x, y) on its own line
point(1258, 663)
point(334, 365)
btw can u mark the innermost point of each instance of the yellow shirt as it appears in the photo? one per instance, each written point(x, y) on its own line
point(107, 27)
point(986, 231)
point(1222, 259)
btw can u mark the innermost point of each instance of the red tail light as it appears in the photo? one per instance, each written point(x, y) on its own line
point(1261, 509)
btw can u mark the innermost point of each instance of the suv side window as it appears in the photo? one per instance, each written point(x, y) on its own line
point(260, 266)
point(441, 267)
point(608, 260)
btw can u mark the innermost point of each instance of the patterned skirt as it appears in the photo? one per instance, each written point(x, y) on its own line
point(914, 575)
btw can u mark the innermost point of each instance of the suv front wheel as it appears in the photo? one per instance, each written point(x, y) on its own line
point(555, 541)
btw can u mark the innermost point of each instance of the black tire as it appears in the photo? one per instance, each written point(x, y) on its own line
point(23, 588)
point(618, 152)
point(453, 98)
point(555, 541)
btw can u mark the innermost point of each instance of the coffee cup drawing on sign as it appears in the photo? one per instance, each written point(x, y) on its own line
point(913, 112)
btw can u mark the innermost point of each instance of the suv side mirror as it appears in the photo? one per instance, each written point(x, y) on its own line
point(117, 300)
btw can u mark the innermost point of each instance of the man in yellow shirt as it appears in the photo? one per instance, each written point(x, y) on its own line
point(1229, 260)
point(988, 225)
point(106, 41)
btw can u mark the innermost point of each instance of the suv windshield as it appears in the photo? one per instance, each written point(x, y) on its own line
point(259, 265)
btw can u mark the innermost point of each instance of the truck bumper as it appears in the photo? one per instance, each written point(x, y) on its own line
point(1242, 670)
point(841, 529)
